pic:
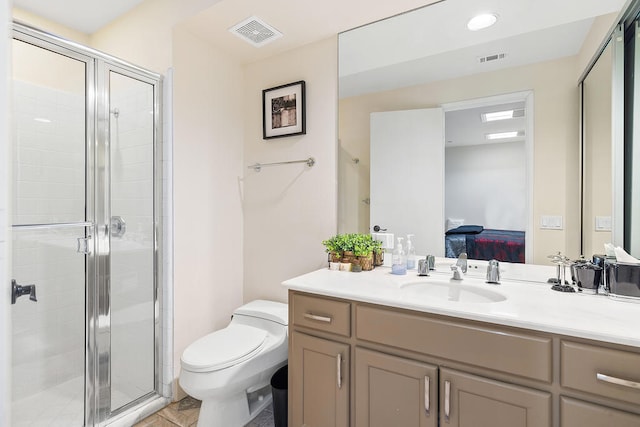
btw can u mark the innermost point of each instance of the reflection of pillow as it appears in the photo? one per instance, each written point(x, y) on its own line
point(466, 229)
point(453, 223)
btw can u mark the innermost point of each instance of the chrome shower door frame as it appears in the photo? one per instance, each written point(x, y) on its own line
point(98, 218)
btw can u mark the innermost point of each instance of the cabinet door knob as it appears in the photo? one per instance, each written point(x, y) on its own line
point(427, 399)
point(617, 381)
point(447, 400)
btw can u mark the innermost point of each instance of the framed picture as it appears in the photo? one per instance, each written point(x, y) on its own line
point(283, 111)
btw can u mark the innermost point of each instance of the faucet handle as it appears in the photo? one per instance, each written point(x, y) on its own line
point(493, 272)
point(458, 274)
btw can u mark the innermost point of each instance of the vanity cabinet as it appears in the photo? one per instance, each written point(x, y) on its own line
point(368, 365)
point(319, 368)
point(394, 391)
point(470, 400)
point(319, 390)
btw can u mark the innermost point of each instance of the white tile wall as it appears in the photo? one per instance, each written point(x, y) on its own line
point(49, 157)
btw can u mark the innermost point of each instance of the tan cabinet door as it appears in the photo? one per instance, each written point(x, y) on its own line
point(470, 401)
point(318, 382)
point(392, 391)
point(574, 413)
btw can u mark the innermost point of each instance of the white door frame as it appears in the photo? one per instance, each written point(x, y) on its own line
point(527, 98)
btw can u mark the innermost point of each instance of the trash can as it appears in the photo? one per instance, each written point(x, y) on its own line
point(279, 386)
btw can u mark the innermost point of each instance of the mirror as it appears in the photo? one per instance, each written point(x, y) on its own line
point(426, 58)
point(597, 175)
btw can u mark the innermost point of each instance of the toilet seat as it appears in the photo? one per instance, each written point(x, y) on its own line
point(221, 349)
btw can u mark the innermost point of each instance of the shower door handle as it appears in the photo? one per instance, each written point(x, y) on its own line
point(118, 226)
point(19, 290)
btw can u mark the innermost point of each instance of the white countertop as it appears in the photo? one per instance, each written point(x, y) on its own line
point(530, 305)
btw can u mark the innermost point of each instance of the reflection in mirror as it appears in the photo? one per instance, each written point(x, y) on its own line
point(596, 155)
point(426, 58)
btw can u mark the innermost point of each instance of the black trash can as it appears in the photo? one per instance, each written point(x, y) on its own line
point(279, 387)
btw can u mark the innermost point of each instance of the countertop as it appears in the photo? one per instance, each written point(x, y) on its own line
point(529, 304)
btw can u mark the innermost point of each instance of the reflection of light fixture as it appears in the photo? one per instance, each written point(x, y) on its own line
point(497, 115)
point(504, 135)
point(41, 120)
point(484, 20)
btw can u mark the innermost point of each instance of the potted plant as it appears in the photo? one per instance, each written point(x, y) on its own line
point(334, 248)
point(364, 246)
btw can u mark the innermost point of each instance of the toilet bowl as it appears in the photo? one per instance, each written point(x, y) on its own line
point(229, 370)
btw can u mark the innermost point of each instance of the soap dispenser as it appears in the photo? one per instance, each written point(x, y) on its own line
point(399, 259)
point(411, 253)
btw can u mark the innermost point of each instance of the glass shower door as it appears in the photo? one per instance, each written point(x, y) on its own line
point(50, 236)
point(132, 235)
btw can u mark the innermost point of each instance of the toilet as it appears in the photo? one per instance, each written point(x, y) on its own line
point(230, 370)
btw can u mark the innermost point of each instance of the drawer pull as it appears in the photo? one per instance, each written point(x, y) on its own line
point(325, 319)
point(618, 381)
point(339, 370)
point(447, 400)
point(427, 399)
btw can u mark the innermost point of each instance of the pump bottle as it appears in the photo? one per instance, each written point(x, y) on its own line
point(399, 259)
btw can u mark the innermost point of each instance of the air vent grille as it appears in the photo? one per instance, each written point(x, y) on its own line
point(255, 31)
point(491, 58)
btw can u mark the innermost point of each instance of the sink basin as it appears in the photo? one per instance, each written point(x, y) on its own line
point(450, 291)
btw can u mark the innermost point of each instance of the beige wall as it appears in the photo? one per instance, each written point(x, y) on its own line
point(599, 30)
point(289, 210)
point(207, 156)
point(555, 187)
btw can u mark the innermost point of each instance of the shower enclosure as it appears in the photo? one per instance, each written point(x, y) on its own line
point(85, 261)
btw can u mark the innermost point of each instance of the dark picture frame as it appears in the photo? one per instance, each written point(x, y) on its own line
point(283, 110)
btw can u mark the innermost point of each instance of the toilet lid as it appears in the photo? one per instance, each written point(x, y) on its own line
point(221, 349)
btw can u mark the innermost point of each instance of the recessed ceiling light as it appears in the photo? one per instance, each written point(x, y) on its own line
point(505, 135)
point(497, 115)
point(482, 21)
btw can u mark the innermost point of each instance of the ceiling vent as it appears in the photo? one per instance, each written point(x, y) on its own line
point(491, 58)
point(255, 32)
point(519, 112)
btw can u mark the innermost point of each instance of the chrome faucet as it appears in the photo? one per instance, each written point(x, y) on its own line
point(460, 267)
point(493, 272)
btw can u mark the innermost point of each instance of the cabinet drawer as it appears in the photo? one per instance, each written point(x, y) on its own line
point(493, 348)
point(581, 364)
point(574, 413)
point(322, 314)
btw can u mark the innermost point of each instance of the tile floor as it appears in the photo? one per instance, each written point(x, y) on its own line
point(184, 413)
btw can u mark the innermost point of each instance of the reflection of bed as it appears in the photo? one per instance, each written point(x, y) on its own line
point(485, 244)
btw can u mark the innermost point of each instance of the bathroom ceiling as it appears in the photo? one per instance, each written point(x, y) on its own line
point(305, 21)
point(86, 16)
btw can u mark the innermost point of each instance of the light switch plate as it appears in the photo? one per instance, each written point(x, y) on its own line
point(603, 223)
point(551, 222)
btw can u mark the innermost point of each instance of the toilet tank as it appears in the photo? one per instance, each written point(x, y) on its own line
point(267, 310)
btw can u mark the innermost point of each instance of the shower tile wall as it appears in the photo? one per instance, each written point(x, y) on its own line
point(48, 169)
